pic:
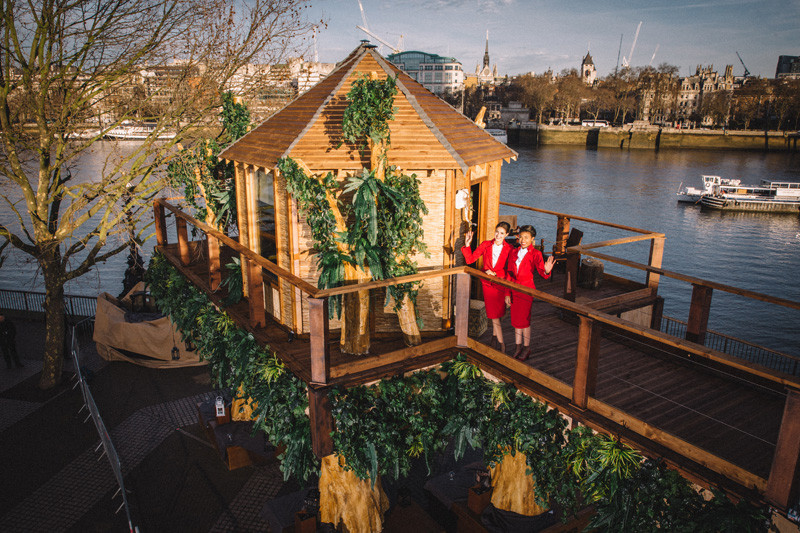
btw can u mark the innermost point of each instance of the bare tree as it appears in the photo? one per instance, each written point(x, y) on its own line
point(537, 93)
point(70, 70)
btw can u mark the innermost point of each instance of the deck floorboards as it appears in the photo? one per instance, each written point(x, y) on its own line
point(734, 420)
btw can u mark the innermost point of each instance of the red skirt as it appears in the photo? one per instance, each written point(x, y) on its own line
point(495, 298)
point(520, 309)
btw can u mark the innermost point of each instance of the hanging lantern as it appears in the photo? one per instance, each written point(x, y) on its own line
point(176, 354)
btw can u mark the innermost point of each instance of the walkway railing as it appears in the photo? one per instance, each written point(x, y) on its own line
point(580, 396)
point(33, 302)
point(106, 444)
point(748, 351)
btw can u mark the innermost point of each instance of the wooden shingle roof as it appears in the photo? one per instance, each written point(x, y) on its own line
point(426, 132)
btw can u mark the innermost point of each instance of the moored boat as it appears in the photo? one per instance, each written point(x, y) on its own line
point(139, 131)
point(692, 195)
point(499, 134)
point(768, 197)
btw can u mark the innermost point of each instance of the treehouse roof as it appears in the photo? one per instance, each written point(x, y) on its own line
point(426, 132)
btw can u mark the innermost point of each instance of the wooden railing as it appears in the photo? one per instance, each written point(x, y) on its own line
point(581, 395)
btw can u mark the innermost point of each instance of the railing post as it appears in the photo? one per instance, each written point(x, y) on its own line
point(462, 309)
point(183, 241)
point(657, 314)
point(214, 265)
point(698, 314)
point(784, 476)
point(585, 382)
point(656, 256)
point(161, 222)
point(255, 297)
point(320, 352)
point(562, 234)
point(571, 279)
point(321, 421)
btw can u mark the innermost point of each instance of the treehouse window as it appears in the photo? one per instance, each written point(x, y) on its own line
point(266, 213)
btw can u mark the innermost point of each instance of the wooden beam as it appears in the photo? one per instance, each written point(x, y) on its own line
point(321, 420)
point(562, 233)
point(241, 219)
point(576, 217)
point(449, 251)
point(698, 314)
point(571, 279)
point(183, 241)
point(585, 382)
point(462, 309)
point(255, 299)
point(214, 264)
point(656, 255)
point(161, 223)
point(657, 314)
point(783, 484)
point(319, 336)
point(375, 361)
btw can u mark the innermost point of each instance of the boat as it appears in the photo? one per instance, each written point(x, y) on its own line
point(768, 197)
point(136, 132)
point(499, 134)
point(692, 195)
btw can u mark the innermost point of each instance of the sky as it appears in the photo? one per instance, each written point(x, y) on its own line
point(534, 35)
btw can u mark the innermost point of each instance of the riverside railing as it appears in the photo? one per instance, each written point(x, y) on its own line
point(33, 302)
point(580, 395)
point(106, 443)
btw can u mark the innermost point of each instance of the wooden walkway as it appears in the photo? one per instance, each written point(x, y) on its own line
point(649, 396)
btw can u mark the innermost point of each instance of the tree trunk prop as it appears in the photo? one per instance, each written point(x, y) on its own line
point(346, 499)
point(407, 315)
point(514, 490)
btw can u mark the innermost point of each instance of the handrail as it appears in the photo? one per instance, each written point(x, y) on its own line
point(263, 262)
point(576, 217)
point(388, 282)
point(690, 279)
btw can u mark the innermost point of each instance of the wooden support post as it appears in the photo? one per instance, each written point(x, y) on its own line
point(656, 255)
point(183, 241)
point(657, 314)
point(318, 324)
point(462, 309)
point(585, 382)
point(321, 420)
point(255, 283)
point(571, 279)
point(161, 223)
point(783, 484)
point(214, 264)
point(562, 234)
point(698, 314)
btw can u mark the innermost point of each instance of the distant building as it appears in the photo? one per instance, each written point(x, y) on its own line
point(788, 67)
point(437, 73)
point(588, 71)
point(484, 74)
point(692, 90)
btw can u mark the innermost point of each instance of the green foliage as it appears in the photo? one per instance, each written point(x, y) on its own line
point(215, 176)
point(235, 359)
point(233, 282)
point(370, 109)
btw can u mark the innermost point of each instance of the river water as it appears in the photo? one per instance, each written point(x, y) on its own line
point(755, 251)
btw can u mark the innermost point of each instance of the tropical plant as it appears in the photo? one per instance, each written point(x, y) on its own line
point(370, 108)
point(236, 360)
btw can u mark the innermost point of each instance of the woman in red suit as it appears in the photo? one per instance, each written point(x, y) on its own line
point(494, 255)
point(521, 264)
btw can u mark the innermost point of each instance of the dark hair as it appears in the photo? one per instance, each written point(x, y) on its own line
point(505, 225)
point(528, 228)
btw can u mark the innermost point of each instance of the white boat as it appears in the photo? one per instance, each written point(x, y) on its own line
point(139, 131)
point(498, 134)
point(692, 195)
point(769, 197)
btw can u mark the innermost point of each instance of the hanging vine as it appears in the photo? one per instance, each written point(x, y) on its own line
point(370, 108)
point(200, 174)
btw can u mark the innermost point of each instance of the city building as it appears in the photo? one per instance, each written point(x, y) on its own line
point(692, 90)
point(788, 67)
point(438, 74)
point(588, 70)
point(484, 74)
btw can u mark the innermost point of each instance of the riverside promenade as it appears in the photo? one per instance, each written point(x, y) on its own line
point(54, 480)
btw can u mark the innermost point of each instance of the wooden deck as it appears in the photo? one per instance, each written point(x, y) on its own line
point(669, 393)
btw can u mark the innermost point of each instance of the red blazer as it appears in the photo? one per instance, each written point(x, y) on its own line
point(523, 275)
point(484, 250)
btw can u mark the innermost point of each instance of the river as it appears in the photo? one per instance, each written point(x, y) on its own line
point(755, 251)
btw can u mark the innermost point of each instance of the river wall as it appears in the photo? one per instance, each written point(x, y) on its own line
point(652, 139)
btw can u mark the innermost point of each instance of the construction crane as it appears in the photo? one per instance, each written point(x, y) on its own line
point(626, 61)
point(365, 28)
point(746, 72)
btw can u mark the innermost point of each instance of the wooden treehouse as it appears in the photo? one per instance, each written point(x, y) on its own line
point(445, 150)
point(601, 358)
